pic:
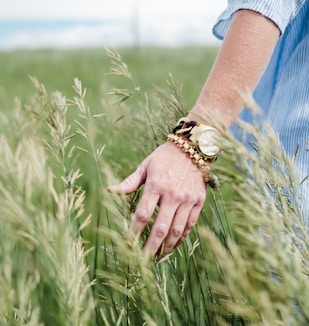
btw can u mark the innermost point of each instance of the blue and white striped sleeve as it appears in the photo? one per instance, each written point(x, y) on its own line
point(281, 12)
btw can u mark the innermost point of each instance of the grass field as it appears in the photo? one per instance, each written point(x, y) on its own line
point(57, 69)
point(63, 256)
point(150, 67)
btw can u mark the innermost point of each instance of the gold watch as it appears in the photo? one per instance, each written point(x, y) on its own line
point(207, 140)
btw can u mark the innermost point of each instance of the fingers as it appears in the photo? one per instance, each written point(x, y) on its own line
point(176, 218)
point(184, 220)
point(132, 182)
point(144, 210)
point(175, 185)
point(191, 222)
point(174, 221)
point(161, 226)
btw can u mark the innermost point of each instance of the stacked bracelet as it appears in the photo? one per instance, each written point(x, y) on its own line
point(202, 164)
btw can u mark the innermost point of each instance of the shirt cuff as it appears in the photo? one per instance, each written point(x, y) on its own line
point(279, 11)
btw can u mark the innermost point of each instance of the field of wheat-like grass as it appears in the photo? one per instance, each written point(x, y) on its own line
point(64, 258)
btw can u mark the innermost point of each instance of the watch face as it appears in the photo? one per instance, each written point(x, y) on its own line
point(209, 142)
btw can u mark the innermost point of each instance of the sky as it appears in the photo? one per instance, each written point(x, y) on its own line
point(69, 23)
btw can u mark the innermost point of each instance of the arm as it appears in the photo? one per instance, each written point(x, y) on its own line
point(241, 61)
point(172, 181)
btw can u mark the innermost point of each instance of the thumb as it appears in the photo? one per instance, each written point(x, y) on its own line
point(131, 183)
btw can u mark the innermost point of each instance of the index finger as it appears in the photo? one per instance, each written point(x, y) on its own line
point(144, 211)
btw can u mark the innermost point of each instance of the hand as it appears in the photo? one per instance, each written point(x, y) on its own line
point(175, 184)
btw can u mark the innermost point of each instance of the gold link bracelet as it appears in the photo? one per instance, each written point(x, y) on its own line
point(202, 164)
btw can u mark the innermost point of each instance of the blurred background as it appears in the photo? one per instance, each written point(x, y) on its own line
point(34, 24)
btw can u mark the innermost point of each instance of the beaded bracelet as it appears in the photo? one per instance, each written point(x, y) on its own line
point(202, 164)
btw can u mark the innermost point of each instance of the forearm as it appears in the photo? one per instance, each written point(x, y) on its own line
point(240, 63)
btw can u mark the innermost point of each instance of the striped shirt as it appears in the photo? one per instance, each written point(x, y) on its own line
point(283, 91)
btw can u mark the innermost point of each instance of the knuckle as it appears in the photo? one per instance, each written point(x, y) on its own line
point(191, 201)
point(197, 197)
point(129, 181)
point(201, 198)
point(190, 198)
point(160, 230)
point(177, 230)
point(177, 196)
point(141, 215)
point(190, 225)
point(155, 185)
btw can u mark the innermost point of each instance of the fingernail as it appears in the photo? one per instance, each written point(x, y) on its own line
point(110, 188)
point(116, 189)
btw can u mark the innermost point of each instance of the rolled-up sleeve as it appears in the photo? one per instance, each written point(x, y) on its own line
point(281, 12)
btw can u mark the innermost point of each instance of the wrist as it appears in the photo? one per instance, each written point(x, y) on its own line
point(218, 115)
point(201, 143)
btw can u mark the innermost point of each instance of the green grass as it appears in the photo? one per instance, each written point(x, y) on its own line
point(56, 69)
point(63, 255)
point(150, 67)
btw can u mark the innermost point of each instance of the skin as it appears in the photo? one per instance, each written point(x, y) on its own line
point(172, 181)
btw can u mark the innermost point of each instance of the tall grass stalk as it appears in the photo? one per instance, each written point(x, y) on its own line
point(66, 258)
point(263, 216)
point(40, 229)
